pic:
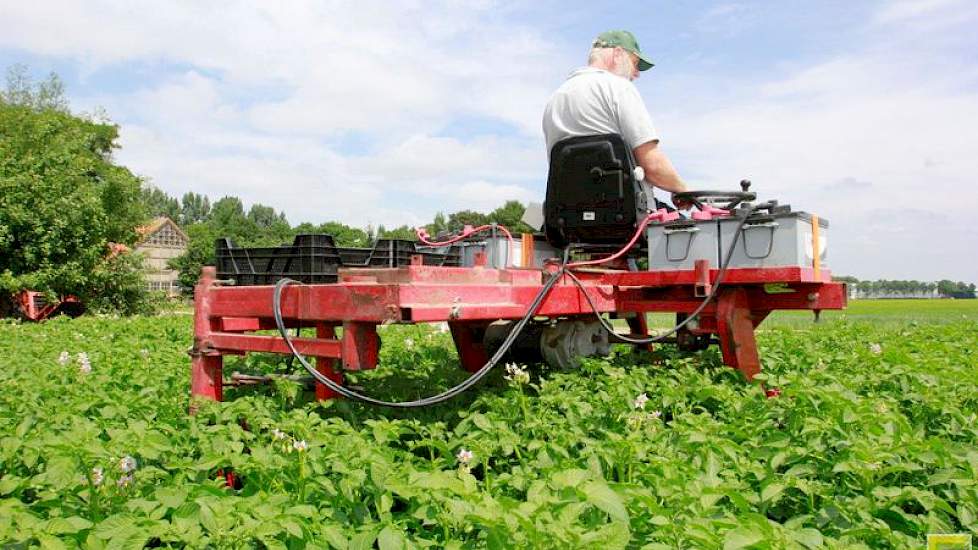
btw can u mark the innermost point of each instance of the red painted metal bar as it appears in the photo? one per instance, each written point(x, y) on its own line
point(740, 275)
point(361, 346)
point(206, 370)
point(314, 347)
point(325, 365)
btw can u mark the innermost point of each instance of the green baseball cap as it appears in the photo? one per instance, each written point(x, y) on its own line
point(626, 41)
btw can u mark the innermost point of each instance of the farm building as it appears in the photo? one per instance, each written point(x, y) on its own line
point(161, 241)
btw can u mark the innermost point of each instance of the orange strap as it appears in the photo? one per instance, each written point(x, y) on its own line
point(526, 256)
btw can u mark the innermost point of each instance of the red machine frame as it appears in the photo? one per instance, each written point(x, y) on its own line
point(470, 298)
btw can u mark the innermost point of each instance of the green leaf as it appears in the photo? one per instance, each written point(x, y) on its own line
point(335, 537)
point(66, 526)
point(810, 538)
point(62, 471)
point(605, 499)
point(171, 497)
point(391, 538)
point(115, 527)
point(772, 491)
point(481, 422)
point(614, 535)
point(49, 542)
point(741, 537)
point(292, 527)
point(658, 520)
point(569, 478)
point(363, 540)
point(9, 484)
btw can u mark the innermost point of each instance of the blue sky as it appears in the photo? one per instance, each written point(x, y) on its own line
point(386, 112)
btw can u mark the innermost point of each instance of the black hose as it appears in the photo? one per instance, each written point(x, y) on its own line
point(427, 401)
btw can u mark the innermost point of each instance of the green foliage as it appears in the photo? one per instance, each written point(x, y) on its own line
point(117, 285)
point(343, 235)
point(158, 203)
point(509, 215)
point(871, 444)
point(62, 200)
point(194, 208)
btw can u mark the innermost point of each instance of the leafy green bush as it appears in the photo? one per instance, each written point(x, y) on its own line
point(62, 200)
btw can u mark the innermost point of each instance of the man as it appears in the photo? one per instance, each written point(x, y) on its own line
point(601, 99)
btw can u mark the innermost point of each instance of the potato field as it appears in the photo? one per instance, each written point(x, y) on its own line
point(870, 440)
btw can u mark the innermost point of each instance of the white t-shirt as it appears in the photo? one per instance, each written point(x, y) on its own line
point(594, 101)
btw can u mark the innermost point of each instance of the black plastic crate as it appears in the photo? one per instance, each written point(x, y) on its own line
point(392, 253)
point(354, 257)
point(309, 259)
point(450, 256)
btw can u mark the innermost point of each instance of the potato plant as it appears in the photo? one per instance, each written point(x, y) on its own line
point(871, 441)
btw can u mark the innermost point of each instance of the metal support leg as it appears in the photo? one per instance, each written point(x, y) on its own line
point(206, 378)
point(639, 325)
point(327, 365)
point(361, 345)
point(469, 343)
point(736, 331)
point(206, 365)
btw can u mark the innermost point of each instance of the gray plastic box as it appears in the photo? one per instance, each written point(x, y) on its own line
point(677, 245)
point(774, 241)
point(496, 250)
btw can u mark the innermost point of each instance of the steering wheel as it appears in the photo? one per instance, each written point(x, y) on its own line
point(727, 200)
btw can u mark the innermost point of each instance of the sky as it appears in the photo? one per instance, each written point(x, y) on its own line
point(386, 112)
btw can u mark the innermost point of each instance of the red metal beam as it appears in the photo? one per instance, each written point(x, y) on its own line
point(313, 347)
point(206, 371)
point(326, 365)
point(361, 346)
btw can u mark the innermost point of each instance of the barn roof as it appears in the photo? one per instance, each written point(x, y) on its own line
point(148, 230)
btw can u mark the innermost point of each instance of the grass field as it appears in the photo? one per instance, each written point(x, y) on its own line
point(870, 311)
point(872, 443)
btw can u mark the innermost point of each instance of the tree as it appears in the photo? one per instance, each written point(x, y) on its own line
point(458, 220)
point(263, 216)
point(62, 200)
point(158, 203)
point(510, 215)
point(47, 95)
point(343, 235)
point(194, 208)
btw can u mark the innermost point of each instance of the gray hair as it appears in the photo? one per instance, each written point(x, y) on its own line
point(600, 54)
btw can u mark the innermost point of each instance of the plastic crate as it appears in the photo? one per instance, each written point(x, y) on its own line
point(392, 253)
point(443, 256)
point(315, 259)
point(309, 259)
point(354, 257)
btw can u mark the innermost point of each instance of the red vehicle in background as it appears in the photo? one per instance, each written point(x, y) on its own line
point(34, 306)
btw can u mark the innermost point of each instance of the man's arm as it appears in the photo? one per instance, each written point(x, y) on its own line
point(659, 170)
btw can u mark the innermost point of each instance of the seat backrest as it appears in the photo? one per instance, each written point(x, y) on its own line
point(592, 196)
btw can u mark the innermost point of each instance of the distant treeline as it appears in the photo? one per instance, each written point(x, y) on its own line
point(885, 288)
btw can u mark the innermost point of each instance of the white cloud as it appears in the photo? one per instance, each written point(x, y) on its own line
point(927, 12)
point(884, 145)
